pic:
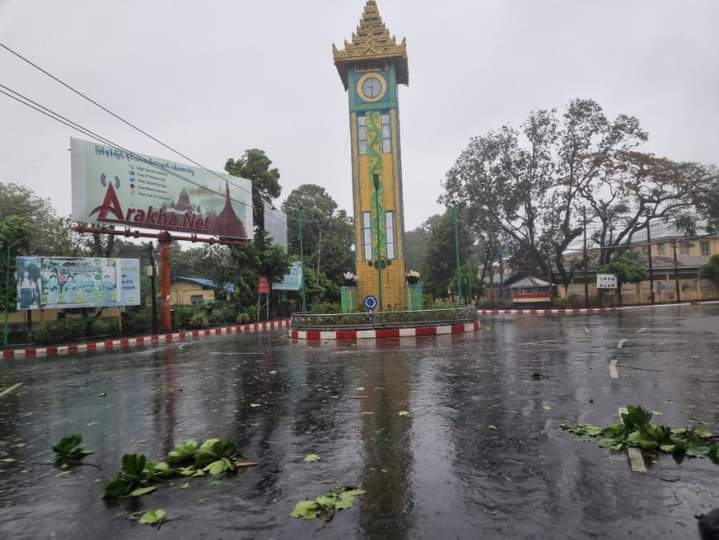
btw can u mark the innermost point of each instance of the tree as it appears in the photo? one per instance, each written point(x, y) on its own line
point(635, 188)
point(257, 167)
point(15, 233)
point(327, 237)
point(628, 269)
point(530, 185)
point(710, 270)
point(48, 233)
point(416, 242)
point(707, 203)
point(440, 264)
point(244, 264)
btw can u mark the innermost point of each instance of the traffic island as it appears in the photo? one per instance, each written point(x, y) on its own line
point(388, 324)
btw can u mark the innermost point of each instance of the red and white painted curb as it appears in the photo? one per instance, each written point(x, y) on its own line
point(584, 311)
point(329, 335)
point(142, 341)
point(571, 311)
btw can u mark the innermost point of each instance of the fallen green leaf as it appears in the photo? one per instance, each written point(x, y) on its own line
point(311, 458)
point(139, 492)
point(153, 517)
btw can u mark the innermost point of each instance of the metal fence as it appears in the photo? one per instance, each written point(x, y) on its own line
point(385, 319)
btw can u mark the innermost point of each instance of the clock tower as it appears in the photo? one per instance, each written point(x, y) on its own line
point(371, 67)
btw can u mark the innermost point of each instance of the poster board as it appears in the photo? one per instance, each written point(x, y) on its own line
point(77, 282)
point(606, 281)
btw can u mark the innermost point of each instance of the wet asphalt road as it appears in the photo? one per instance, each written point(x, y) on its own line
point(480, 454)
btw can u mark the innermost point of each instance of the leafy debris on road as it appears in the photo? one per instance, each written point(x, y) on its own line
point(637, 431)
point(138, 476)
point(154, 517)
point(311, 458)
point(327, 504)
point(68, 451)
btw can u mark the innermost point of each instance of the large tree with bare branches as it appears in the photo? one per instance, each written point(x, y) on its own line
point(532, 184)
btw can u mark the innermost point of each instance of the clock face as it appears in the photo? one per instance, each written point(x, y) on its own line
point(371, 87)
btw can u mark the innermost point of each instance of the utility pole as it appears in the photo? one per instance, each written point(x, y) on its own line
point(586, 262)
point(153, 275)
point(302, 259)
point(676, 271)
point(378, 256)
point(8, 245)
point(649, 254)
point(501, 275)
point(456, 252)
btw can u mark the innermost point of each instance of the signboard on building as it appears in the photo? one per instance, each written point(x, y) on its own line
point(292, 281)
point(606, 281)
point(77, 282)
point(113, 187)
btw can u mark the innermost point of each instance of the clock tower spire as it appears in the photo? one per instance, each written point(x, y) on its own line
point(372, 66)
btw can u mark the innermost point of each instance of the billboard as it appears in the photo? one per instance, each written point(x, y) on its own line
point(276, 225)
point(112, 187)
point(292, 281)
point(77, 282)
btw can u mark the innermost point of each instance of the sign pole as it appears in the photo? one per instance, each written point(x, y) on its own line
point(164, 241)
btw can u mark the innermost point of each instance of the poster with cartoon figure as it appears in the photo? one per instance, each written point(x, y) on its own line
point(76, 282)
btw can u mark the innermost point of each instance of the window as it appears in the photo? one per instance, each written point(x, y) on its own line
point(362, 134)
point(661, 248)
point(684, 248)
point(197, 299)
point(705, 248)
point(386, 134)
point(389, 232)
point(367, 235)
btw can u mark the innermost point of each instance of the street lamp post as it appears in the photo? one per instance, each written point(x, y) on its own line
point(302, 260)
point(649, 254)
point(379, 264)
point(8, 247)
point(456, 252)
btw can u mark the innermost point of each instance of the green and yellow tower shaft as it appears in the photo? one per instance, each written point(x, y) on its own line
point(371, 67)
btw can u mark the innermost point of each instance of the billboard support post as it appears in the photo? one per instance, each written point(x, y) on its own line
point(153, 290)
point(164, 240)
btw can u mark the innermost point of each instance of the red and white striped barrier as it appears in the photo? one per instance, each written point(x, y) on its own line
point(559, 311)
point(586, 311)
point(142, 341)
point(329, 335)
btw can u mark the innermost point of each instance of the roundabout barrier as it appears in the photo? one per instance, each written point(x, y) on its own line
point(389, 324)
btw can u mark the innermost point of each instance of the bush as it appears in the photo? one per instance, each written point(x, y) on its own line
point(326, 307)
point(103, 328)
point(137, 321)
point(61, 331)
point(247, 316)
point(184, 314)
point(197, 322)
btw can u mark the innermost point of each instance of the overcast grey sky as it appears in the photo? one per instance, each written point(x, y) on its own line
point(213, 78)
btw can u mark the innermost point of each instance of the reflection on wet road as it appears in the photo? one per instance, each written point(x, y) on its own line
point(479, 454)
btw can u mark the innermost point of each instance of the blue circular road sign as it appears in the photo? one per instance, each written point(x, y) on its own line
point(370, 302)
